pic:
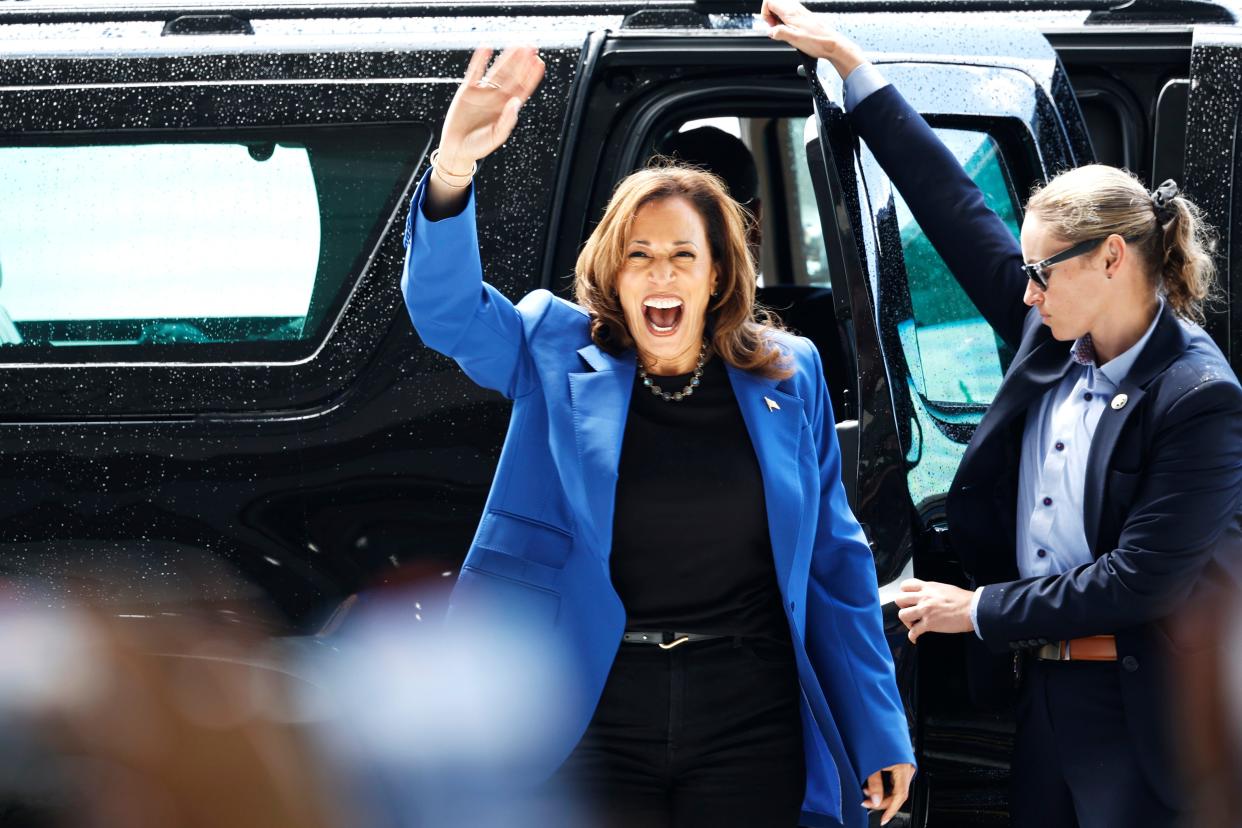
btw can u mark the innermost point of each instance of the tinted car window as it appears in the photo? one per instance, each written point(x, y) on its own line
point(954, 356)
point(188, 244)
point(955, 361)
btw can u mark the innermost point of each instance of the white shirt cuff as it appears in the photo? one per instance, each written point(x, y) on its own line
point(974, 609)
point(861, 82)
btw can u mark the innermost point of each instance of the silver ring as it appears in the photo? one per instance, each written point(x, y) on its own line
point(486, 84)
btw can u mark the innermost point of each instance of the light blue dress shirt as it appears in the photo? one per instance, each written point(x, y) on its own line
point(862, 81)
point(1053, 472)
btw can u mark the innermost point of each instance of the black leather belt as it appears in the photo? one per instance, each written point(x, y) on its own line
point(665, 640)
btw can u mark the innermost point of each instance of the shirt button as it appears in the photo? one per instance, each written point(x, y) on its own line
point(1043, 553)
point(1060, 446)
point(1047, 501)
point(1088, 396)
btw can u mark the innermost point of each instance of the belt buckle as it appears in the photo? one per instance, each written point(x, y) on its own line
point(673, 643)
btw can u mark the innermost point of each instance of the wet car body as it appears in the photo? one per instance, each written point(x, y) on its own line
point(266, 463)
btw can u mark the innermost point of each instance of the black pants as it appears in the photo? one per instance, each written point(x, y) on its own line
point(705, 735)
point(1073, 764)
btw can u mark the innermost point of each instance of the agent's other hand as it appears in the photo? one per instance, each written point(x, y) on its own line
point(928, 606)
point(485, 109)
point(810, 34)
point(874, 790)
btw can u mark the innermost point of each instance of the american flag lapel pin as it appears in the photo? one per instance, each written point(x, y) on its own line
point(772, 406)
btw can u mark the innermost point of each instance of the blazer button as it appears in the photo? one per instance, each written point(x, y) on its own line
point(1129, 664)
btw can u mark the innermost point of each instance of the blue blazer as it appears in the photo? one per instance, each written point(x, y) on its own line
point(541, 550)
point(1164, 476)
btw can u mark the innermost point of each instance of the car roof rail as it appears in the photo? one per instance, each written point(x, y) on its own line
point(207, 24)
point(672, 18)
point(1163, 11)
point(638, 13)
point(1102, 11)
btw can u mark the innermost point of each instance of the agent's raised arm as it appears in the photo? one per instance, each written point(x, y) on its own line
point(979, 249)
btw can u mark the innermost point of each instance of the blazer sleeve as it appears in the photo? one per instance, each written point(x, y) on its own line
point(844, 625)
point(1184, 500)
point(978, 247)
point(455, 311)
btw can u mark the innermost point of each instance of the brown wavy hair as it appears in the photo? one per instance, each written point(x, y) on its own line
point(740, 329)
point(1096, 200)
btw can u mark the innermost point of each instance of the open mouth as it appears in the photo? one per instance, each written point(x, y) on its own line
point(662, 314)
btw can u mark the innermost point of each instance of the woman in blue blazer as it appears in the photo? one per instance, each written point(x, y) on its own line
point(1102, 488)
point(667, 515)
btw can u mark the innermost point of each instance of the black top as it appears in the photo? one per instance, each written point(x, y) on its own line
point(691, 551)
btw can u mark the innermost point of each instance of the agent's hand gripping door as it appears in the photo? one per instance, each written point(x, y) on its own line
point(928, 363)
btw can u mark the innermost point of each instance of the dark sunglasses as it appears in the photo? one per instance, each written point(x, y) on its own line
point(1035, 272)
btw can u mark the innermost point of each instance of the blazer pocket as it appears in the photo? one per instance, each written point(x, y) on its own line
point(515, 536)
point(1121, 488)
point(492, 595)
point(1118, 500)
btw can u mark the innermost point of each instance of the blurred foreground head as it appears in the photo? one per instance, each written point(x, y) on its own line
point(106, 721)
point(1206, 677)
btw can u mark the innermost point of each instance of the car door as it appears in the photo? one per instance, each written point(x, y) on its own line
point(210, 392)
point(1213, 168)
point(928, 364)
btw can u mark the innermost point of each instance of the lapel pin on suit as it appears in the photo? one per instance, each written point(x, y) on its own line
point(772, 406)
point(1119, 402)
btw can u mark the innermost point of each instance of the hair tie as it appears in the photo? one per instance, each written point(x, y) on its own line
point(1162, 201)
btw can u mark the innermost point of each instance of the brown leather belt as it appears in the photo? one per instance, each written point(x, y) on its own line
point(1093, 648)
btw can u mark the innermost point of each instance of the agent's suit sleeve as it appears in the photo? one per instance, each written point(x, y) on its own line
point(844, 624)
point(455, 311)
point(1184, 500)
point(979, 249)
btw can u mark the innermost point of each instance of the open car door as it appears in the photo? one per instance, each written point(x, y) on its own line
point(1213, 167)
point(928, 363)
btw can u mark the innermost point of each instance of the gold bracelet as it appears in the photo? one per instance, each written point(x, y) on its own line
point(445, 176)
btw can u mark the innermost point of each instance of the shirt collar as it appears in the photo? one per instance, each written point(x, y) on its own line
point(1119, 366)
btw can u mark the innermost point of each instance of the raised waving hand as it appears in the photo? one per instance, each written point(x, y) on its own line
point(481, 118)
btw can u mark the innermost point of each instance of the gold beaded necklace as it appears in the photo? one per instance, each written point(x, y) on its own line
point(675, 396)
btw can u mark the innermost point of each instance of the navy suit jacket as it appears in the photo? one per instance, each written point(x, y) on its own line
point(540, 555)
point(1164, 472)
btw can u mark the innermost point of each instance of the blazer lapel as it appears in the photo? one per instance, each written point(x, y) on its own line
point(600, 400)
point(774, 421)
point(1167, 341)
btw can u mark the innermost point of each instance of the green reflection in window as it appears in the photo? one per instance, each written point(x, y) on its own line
point(952, 351)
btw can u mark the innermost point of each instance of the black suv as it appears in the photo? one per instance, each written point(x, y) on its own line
point(211, 398)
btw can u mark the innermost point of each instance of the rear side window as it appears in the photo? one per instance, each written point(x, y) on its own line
point(953, 354)
point(204, 247)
